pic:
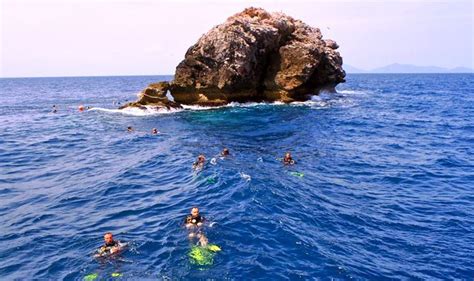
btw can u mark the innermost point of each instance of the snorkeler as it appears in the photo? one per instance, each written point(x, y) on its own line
point(225, 152)
point(193, 223)
point(154, 131)
point(194, 219)
point(199, 164)
point(201, 252)
point(110, 246)
point(288, 160)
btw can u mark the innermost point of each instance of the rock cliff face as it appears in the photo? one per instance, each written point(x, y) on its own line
point(256, 56)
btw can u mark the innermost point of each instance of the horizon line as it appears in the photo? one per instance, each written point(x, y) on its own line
point(143, 75)
point(85, 76)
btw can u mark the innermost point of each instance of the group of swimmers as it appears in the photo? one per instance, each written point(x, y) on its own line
point(154, 131)
point(201, 159)
point(80, 108)
point(287, 159)
point(193, 222)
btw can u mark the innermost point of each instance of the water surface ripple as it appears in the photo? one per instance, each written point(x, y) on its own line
point(387, 191)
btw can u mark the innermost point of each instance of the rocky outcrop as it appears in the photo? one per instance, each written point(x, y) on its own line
point(154, 96)
point(255, 56)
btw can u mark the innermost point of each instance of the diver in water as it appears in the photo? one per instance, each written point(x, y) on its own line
point(194, 219)
point(54, 108)
point(194, 222)
point(288, 160)
point(225, 152)
point(199, 164)
point(154, 131)
point(129, 129)
point(110, 246)
point(201, 252)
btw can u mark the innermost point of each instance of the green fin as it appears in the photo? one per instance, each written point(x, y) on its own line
point(211, 179)
point(91, 277)
point(201, 256)
point(117, 274)
point(297, 174)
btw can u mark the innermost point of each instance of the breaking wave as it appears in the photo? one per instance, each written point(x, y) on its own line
point(321, 101)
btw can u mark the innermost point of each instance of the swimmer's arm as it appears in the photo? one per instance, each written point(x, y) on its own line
point(203, 220)
point(114, 249)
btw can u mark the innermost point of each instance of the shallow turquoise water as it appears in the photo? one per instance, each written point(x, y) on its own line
point(387, 191)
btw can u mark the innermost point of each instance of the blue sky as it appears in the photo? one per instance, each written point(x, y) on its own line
point(145, 37)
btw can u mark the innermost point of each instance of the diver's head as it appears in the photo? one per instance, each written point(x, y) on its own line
point(288, 155)
point(201, 158)
point(195, 212)
point(108, 238)
point(154, 131)
point(225, 151)
point(129, 128)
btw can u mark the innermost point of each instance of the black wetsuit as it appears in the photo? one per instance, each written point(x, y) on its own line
point(194, 220)
point(112, 244)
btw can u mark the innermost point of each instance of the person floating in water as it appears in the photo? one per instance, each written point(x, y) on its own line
point(129, 129)
point(202, 252)
point(81, 108)
point(225, 152)
point(199, 164)
point(194, 222)
point(110, 246)
point(288, 160)
point(54, 108)
point(154, 131)
point(194, 219)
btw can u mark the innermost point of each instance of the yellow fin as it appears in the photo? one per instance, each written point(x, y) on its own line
point(214, 248)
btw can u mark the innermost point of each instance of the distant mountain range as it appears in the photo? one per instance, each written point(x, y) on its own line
point(408, 68)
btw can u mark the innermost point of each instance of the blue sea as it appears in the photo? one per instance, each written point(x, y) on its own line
point(383, 186)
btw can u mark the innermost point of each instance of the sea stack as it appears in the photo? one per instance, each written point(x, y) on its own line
point(254, 56)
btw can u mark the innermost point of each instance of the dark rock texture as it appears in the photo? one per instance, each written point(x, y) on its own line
point(255, 56)
point(154, 96)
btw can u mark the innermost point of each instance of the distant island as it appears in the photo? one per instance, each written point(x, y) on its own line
point(408, 68)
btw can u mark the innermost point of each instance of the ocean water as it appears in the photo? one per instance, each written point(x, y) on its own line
point(386, 189)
